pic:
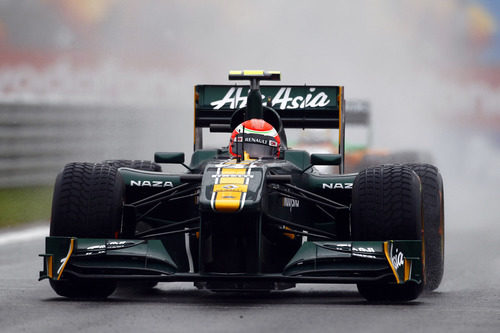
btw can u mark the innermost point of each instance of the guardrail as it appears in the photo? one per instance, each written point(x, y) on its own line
point(37, 140)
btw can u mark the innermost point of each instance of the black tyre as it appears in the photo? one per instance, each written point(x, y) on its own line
point(87, 202)
point(386, 205)
point(134, 164)
point(433, 211)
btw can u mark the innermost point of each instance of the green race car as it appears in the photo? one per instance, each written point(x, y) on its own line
point(255, 215)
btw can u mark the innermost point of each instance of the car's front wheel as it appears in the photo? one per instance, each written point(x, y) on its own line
point(87, 202)
point(386, 205)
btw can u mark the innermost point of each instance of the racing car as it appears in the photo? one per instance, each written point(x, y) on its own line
point(255, 215)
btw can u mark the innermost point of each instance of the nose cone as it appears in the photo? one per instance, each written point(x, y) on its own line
point(231, 187)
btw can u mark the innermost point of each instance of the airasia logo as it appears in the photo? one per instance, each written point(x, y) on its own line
point(282, 100)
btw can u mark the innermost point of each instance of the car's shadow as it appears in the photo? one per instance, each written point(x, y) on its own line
point(234, 299)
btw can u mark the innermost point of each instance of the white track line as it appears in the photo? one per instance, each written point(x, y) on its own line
point(24, 235)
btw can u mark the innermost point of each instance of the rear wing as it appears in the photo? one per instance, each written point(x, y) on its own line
point(298, 106)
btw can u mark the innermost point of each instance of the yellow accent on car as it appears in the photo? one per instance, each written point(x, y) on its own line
point(49, 267)
point(250, 72)
point(70, 252)
point(287, 234)
point(407, 269)
point(227, 201)
point(230, 187)
point(386, 251)
point(232, 180)
point(234, 171)
point(246, 156)
point(253, 72)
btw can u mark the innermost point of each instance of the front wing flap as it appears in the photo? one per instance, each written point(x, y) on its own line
point(314, 262)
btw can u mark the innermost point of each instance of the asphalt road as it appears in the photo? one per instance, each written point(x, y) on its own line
point(467, 301)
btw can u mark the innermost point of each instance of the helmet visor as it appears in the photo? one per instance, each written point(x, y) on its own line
point(257, 146)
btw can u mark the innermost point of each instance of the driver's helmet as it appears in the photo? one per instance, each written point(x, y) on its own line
point(257, 138)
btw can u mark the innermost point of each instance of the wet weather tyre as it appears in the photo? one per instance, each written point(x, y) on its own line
point(134, 164)
point(87, 203)
point(386, 205)
point(433, 212)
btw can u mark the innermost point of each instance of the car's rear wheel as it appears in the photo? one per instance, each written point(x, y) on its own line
point(433, 211)
point(87, 203)
point(386, 205)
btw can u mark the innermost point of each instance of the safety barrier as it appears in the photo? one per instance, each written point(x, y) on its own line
point(37, 140)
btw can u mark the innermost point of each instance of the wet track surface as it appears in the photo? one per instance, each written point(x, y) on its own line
point(468, 300)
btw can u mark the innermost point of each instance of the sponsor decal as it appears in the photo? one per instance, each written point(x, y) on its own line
point(397, 257)
point(255, 140)
point(230, 188)
point(96, 247)
point(110, 245)
point(117, 244)
point(233, 176)
point(364, 249)
point(251, 139)
point(334, 186)
point(290, 202)
point(235, 99)
point(151, 183)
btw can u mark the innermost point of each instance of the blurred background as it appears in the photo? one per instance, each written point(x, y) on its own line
point(104, 79)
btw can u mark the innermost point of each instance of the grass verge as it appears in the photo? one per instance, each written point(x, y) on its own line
point(26, 204)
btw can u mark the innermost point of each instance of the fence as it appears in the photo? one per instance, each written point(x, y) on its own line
point(37, 140)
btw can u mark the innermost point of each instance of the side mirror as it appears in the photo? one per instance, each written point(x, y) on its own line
point(170, 158)
point(326, 159)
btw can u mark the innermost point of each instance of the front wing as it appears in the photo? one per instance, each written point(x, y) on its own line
point(314, 262)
